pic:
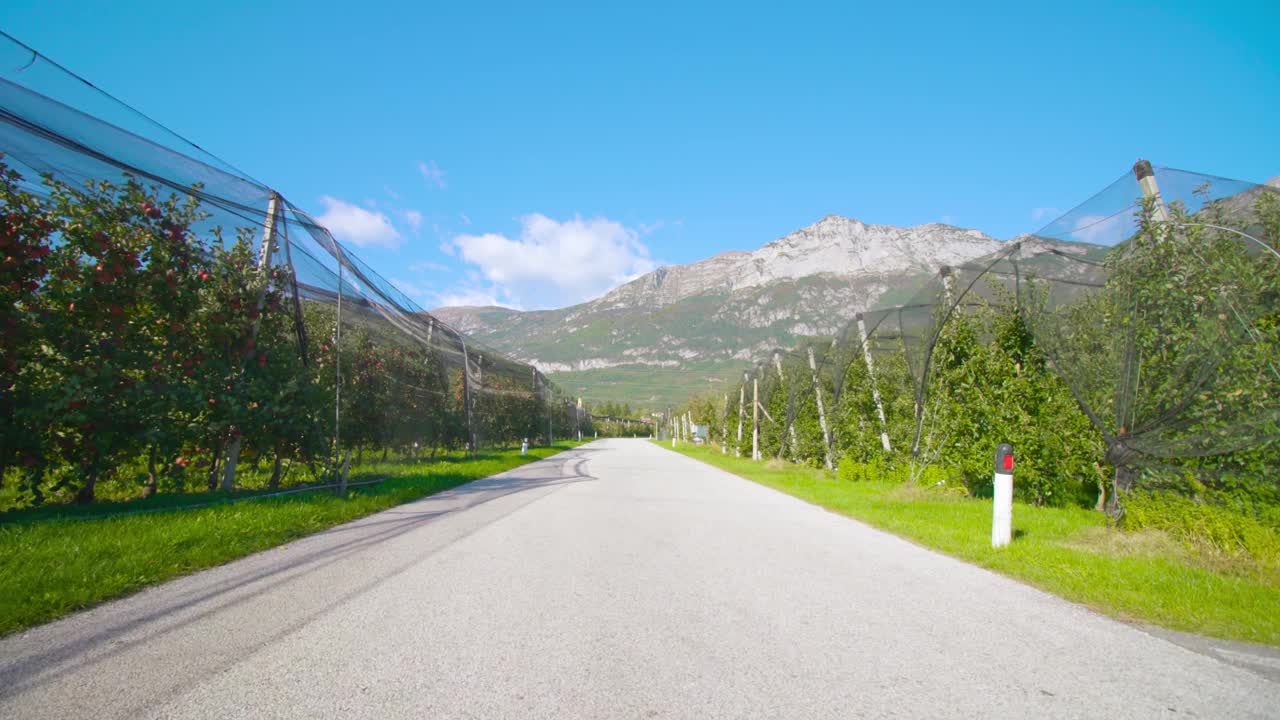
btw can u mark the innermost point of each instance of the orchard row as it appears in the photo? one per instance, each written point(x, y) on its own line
point(140, 351)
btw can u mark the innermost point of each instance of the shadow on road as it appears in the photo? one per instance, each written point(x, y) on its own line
point(95, 636)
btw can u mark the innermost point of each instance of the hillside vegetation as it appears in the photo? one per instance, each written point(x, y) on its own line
point(684, 328)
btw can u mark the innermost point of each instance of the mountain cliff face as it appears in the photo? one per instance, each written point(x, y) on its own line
point(834, 245)
point(688, 327)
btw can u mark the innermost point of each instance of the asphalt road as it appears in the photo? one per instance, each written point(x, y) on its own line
point(619, 580)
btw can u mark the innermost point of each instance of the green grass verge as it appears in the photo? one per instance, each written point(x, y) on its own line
point(1144, 577)
point(51, 565)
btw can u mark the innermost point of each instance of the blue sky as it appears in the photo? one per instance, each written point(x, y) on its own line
point(535, 154)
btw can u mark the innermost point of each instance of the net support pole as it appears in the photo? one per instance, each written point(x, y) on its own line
point(724, 426)
point(538, 399)
point(577, 419)
point(742, 400)
point(267, 250)
point(755, 418)
point(948, 286)
point(337, 370)
point(791, 425)
point(822, 412)
point(875, 387)
point(1150, 190)
point(466, 391)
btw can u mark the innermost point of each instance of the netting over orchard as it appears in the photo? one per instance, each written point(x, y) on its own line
point(1140, 331)
point(263, 312)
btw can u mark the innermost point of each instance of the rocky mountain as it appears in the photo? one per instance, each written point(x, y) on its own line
point(689, 327)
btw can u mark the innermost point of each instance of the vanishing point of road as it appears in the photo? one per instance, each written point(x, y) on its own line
point(617, 580)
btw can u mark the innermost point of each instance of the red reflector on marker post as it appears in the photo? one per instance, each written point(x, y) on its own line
point(1008, 462)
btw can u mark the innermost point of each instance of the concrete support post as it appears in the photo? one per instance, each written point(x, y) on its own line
point(1147, 181)
point(822, 412)
point(742, 396)
point(466, 393)
point(724, 435)
point(264, 269)
point(755, 418)
point(948, 285)
point(791, 425)
point(875, 388)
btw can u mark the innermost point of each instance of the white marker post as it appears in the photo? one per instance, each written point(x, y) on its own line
point(1002, 508)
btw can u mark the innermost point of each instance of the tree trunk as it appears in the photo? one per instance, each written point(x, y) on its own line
point(213, 467)
point(152, 483)
point(342, 474)
point(274, 482)
point(384, 454)
point(36, 480)
point(233, 460)
point(86, 494)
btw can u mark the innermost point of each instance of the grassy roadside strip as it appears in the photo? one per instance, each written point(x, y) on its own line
point(1143, 577)
point(53, 567)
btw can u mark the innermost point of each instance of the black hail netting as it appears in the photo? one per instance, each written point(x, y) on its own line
point(160, 271)
point(1155, 305)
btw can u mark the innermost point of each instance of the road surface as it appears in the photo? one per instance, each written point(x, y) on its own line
point(618, 580)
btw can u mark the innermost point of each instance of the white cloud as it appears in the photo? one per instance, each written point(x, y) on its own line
point(358, 226)
point(414, 218)
point(432, 173)
point(392, 193)
point(465, 220)
point(1045, 213)
point(553, 263)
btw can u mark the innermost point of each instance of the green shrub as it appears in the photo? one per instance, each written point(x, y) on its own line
point(1202, 525)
